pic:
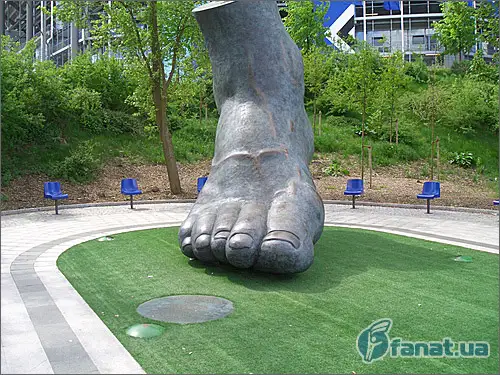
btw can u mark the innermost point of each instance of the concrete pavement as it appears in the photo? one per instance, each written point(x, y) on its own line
point(48, 328)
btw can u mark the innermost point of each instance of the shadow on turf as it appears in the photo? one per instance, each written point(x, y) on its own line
point(340, 254)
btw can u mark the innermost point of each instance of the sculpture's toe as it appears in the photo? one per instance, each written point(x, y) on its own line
point(226, 217)
point(245, 238)
point(185, 236)
point(281, 256)
point(295, 219)
point(201, 235)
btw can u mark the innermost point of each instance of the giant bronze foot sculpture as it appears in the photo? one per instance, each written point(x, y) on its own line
point(259, 207)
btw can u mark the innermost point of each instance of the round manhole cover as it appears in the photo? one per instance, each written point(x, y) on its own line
point(186, 309)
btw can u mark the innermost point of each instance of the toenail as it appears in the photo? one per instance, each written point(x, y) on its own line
point(240, 241)
point(223, 234)
point(186, 242)
point(282, 235)
point(203, 240)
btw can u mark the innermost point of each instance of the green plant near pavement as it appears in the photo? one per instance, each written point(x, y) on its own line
point(463, 159)
point(334, 169)
point(80, 166)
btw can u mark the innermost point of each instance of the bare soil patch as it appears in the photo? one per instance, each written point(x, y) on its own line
point(392, 184)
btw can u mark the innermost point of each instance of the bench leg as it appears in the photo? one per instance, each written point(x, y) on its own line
point(57, 207)
point(132, 202)
point(428, 206)
point(353, 202)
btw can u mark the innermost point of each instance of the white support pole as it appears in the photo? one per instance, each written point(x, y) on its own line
point(29, 20)
point(364, 21)
point(109, 40)
point(43, 32)
point(74, 40)
point(402, 30)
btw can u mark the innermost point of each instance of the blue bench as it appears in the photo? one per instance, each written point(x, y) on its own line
point(430, 190)
point(129, 187)
point(496, 203)
point(355, 189)
point(200, 183)
point(52, 190)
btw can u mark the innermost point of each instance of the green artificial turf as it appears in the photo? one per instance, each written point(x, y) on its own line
point(306, 323)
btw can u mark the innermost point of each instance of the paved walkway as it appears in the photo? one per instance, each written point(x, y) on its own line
point(48, 328)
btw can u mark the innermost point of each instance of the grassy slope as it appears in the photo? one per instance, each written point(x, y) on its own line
point(306, 323)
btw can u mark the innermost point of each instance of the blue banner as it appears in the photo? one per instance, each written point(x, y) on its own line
point(391, 5)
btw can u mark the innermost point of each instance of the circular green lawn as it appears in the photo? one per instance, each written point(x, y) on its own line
point(305, 323)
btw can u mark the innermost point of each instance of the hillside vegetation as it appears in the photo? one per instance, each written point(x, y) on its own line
point(67, 123)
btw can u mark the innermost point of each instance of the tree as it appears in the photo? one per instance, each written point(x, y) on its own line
point(157, 35)
point(362, 79)
point(304, 23)
point(487, 22)
point(317, 64)
point(392, 80)
point(456, 31)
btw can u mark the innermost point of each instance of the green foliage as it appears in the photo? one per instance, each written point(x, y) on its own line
point(460, 68)
point(482, 71)
point(335, 169)
point(463, 159)
point(471, 106)
point(192, 142)
point(487, 22)
point(106, 75)
point(80, 166)
point(385, 154)
point(456, 31)
point(304, 23)
point(417, 70)
point(31, 97)
point(86, 107)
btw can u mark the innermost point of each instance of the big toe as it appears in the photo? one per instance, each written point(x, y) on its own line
point(279, 255)
point(294, 222)
point(246, 235)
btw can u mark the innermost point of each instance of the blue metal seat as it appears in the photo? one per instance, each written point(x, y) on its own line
point(496, 203)
point(129, 187)
point(354, 188)
point(430, 190)
point(200, 183)
point(52, 190)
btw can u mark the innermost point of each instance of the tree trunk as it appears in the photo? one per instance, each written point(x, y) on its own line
point(160, 102)
point(314, 117)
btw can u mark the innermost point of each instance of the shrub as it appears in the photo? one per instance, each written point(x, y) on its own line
point(463, 159)
point(121, 122)
point(417, 70)
point(86, 108)
point(481, 70)
point(80, 166)
point(472, 106)
point(335, 170)
point(387, 154)
point(105, 75)
point(460, 67)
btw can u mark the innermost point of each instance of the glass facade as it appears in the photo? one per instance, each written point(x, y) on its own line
point(389, 26)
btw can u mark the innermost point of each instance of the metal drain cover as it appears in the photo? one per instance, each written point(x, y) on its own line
point(186, 309)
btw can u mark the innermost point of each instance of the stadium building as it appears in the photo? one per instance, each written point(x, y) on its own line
point(389, 26)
